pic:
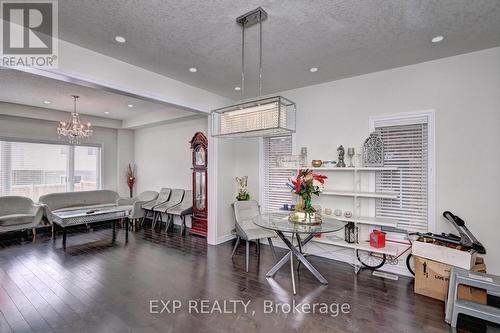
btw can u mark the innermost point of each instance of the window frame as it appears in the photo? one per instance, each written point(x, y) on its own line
point(409, 118)
point(71, 156)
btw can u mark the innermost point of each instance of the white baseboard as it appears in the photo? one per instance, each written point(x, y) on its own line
point(225, 238)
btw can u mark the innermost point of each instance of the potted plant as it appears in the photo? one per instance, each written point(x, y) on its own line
point(242, 183)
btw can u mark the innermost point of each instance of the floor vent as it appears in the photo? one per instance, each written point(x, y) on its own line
point(385, 275)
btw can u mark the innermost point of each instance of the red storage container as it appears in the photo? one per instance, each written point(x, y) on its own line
point(377, 239)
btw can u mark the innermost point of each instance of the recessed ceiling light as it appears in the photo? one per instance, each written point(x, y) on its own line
point(130, 105)
point(237, 88)
point(47, 102)
point(106, 112)
point(120, 39)
point(193, 69)
point(437, 39)
point(313, 69)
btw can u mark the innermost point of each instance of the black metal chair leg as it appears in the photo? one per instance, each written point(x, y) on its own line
point(169, 221)
point(183, 225)
point(155, 219)
point(160, 218)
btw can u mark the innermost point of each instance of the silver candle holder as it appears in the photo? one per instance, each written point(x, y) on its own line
point(350, 154)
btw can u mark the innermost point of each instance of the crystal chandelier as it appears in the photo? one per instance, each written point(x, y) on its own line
point(269, 116)
point(74, 130)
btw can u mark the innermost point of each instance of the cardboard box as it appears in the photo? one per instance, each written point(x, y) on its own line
point(472, 294)
point(432, 280)
point(445, 255)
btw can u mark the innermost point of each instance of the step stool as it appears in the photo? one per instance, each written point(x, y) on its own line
point(455, 306)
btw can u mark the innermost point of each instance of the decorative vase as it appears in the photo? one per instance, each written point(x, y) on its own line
point(305, 213)
point(308, 208)
point(373, 151)
point(130, 183)
point(303, 157)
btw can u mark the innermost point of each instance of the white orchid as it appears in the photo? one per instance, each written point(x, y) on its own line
point(242, 183)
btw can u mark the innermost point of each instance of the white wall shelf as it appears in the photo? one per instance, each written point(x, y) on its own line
point(376, 221)
point(365, 246)
point(358, 194)
point(341, 169)
point(367, 222)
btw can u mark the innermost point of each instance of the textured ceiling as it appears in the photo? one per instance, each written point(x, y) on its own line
point(343, 38)
point(29, 89)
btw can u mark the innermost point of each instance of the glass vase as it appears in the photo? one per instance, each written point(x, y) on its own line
point(308, 208)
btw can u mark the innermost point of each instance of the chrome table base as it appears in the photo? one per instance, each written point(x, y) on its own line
point(300, 257)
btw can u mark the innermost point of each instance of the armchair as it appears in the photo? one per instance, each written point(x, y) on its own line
point(137, 212)
point(19, 213)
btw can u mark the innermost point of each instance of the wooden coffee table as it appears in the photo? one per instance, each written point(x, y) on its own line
point(67, 219)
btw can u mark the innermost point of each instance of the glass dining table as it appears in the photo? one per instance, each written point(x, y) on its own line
point(279, 223)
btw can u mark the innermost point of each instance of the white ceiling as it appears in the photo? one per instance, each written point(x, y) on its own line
point(29, 89)
point(343, 38)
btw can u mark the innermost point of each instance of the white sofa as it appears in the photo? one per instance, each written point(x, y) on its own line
point(59, 202)
point(18, 213)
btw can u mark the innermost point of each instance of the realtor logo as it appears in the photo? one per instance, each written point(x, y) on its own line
point(29, 33)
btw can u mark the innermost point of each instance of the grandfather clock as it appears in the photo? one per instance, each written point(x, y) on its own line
point(199, 222)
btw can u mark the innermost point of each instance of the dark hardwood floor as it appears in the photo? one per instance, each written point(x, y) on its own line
point(96, 286)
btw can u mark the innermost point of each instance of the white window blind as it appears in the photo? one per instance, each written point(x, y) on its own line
point(405, 146)
point(33, 169)
point(87, 161)
point(276, 193)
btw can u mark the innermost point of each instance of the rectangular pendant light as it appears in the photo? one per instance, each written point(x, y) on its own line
point(271, 116)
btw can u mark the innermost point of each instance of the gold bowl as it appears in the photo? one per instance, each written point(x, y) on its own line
point(317, 163)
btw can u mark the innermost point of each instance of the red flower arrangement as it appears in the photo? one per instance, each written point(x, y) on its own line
point(131, 178)
point(305, 185)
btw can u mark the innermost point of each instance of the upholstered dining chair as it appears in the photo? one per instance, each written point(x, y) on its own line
point(149, 206)
point(244, 213)
point(175, 199)
point(136, 203)
point(183, 209)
